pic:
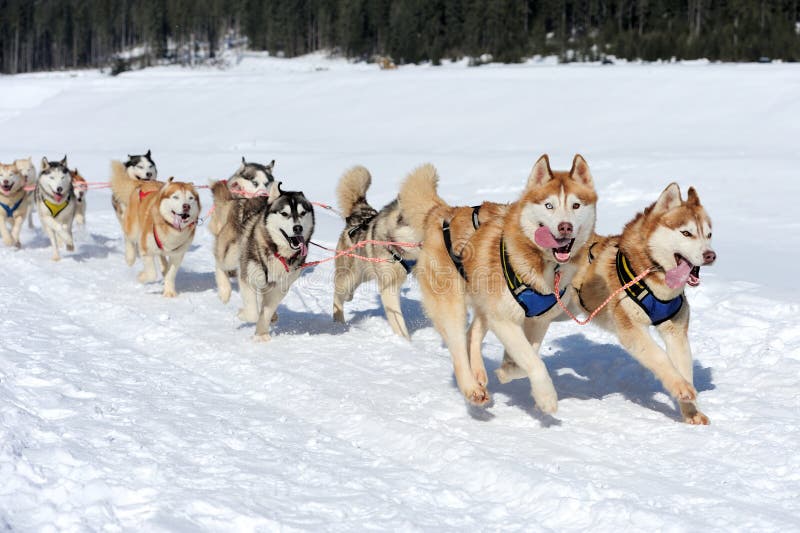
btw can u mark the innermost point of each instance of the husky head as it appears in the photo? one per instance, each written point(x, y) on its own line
point(55, 180)
point(179, 204)
point(678, 236)
point(558, 212)
point(11, 180)
point(289, 221)
point(252, 179)
point(78, 184)
point(141, 167)
point(27, 169)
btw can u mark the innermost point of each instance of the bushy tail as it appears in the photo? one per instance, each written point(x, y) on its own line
point(122, 185)
point(352, 189)
point(418, 196)
point(221, 192)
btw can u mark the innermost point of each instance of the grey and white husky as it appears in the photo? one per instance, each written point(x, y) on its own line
point(363, 222)
point(140, 167)
point(273, 248)
point(235, 199)
point(55, 202)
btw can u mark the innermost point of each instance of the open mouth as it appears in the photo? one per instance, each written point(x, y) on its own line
point(180, 220)
point(58, 197)
point(6, 188)
point(683, 273)
point(296, 242)
point(562, 248)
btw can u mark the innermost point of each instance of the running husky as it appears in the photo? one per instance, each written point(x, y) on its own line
point(159, 222)
point(363, 222)
point(14, 204)
point(140, 167)
point(232, 206)
point(28, 171)
point(80, 188)
point(504, 269)
point(55, 202)
point(273, 248)
point(673, 238)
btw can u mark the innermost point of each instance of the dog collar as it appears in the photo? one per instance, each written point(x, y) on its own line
point(144, 194)
point(657, 310)
point(285, 261)
point(11, 210)
point(532, 302)
point(55, 208)
point(407, 264)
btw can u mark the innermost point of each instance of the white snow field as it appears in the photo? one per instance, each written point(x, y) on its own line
point(121, 410)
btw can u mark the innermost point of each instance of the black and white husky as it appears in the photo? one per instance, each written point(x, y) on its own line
point(55, 202)
point(273, 248)
point(140, 167)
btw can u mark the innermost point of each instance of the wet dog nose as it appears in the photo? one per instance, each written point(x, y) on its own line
point(59, 190)
point(298, 229)
point(186, 207)
point(149, 174)
point(709, 257)
point(565, 228)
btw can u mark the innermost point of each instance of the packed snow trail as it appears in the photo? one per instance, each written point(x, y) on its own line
point(123, 410)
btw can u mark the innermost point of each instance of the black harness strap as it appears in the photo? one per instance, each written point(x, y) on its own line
point(476, 221)
point(448, 244)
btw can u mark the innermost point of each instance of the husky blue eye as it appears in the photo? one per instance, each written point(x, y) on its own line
point(548, 205)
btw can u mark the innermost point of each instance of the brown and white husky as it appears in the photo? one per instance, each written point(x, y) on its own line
point(504, 269)
point(673, 238)
point(14, 203)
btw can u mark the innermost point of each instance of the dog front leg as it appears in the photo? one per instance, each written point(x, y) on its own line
point(7, 238)
point(249, 311)
point(679, 351)
point(171, 272)
point(148, 273)
point(223, 284)
point(637, 341)
point(525, 353)
point(390, 297)
point(164, 264)
point(51, 234)
point(269, 304)
point(475, 335)
point(344, 284)
point(16, 230)
point(509, 370)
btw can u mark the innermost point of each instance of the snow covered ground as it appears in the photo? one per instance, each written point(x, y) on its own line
point(122, 410)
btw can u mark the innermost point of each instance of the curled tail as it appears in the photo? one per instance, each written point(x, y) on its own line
point(418, 196)
point(122, 185)
point(351, 192)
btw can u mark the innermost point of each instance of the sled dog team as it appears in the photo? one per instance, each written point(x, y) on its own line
point(502, 261)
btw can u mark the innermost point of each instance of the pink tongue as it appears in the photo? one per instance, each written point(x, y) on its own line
point(303, 248)
point(678, 276)
point(545, 239)
point(177, 221)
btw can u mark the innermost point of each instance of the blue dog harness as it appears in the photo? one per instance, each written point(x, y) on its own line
point(531, 301)
point(13, 209)
point(658, 310)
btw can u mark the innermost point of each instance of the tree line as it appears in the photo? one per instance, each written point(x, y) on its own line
point(57, 34)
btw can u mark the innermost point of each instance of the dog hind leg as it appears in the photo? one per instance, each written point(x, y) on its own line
point(390, 297)
point(476, 334)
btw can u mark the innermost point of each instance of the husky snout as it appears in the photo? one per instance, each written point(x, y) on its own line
point(709, 256)
point(59, 189)
point(565, 229)
point(298, 229)
point(187, 208)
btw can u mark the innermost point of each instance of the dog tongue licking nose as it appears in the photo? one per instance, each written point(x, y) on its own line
point(678, 276)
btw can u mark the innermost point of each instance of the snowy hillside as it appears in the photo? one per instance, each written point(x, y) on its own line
point(122, 410)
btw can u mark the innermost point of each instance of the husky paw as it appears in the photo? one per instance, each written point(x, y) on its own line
point(245, 316)
point(224, 295)
point(338, 315)
point(478, 395)
point(481, 377)
point(145, 277)
point(70, 247)
point(509, 371)
point(8, 241)
point(683, 391)
point(56, 257)
point(18, 245)
point(262, 338)
point(545, 396)
point(169, 293)
point(691, 415)
point(274, 318)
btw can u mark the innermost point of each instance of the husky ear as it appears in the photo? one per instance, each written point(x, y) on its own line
point(274, 190)
point(580, 171)
point(241, 167)
point(45, 163)
point(540, 173)
point(64, 161)
point(669, 199)
point(692, 197)
point(147, 155)
point(271, 165)
point(170, 179)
